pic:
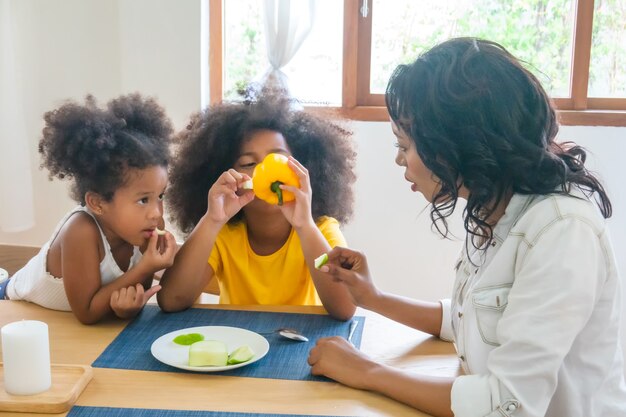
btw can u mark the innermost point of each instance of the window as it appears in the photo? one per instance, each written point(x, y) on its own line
point(314, 73)
point(577, 48)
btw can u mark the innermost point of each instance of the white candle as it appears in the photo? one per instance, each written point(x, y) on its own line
point(26, 357)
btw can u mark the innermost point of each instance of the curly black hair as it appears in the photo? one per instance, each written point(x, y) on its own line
point(212, 141)
point(478, 116)
point(95, 147)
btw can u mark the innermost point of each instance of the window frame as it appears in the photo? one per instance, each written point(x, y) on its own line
point(359, 103)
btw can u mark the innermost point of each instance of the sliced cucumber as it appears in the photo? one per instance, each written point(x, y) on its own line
point(321, 260)
point(247, 185)
point(240, 355)
point(208, 353)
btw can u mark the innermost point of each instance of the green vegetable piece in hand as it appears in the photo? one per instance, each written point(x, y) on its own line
point(188, 339)
point(240, 355)
point(321, 260)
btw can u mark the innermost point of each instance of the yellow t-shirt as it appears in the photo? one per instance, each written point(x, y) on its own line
point(281, 278)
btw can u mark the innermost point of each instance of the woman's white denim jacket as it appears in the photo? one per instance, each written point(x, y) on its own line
point(535, 318)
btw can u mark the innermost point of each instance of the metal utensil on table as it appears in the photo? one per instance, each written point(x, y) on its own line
point(291, 334)
point(353, 325)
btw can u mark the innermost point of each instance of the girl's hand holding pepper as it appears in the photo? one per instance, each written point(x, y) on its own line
point(298, 211)
point(284, 181)
point(226, 197)
point(272, 172)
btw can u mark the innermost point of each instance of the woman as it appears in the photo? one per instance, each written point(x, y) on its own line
point(536, 301)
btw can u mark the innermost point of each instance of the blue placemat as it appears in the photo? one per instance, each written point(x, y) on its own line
point(286, 359)
point(80, 411)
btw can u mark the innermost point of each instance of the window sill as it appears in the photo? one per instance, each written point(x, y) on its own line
point(566, 117)
point(592, 118)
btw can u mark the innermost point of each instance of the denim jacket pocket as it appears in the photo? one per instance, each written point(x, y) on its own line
point(490, 303)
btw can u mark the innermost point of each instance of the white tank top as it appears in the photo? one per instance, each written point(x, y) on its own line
point(33, 282)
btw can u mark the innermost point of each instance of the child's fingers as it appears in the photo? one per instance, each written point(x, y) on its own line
point(160, 243)
point(153, 242)
point(227, 178)
point(170, 249)
point(138, 295)
point(123, 293)
point(130, 297)
point(169, 241)
point(301, 172)
point(114, 301)
point(244, 182)
point(131, 292)
point(230, 179)
point(149, 293)
point(296, 191)
point(296, 166)
point(226, 183)
point(118, 299)
point(246, 197)
point(237, 176)
point(224, 189)
point(244, 189)
point(163, 241)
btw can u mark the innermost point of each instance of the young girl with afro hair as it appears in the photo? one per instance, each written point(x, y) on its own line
point(102, 257)
point(259, 253)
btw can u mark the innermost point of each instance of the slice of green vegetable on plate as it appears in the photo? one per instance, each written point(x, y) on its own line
point(240, 355)
point(208, 353)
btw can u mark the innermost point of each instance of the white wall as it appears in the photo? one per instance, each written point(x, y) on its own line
point(76, 47)
point(161, 51)
point(392, 224)
point(408, 258)
point(67, 49)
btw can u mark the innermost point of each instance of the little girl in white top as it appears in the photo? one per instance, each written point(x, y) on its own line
point(102, 257)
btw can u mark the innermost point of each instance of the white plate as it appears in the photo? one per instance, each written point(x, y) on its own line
point(165, 350)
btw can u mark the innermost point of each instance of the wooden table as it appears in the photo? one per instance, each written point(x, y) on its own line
point(383, 340)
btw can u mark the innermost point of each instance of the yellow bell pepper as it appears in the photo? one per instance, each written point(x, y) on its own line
point(271, 173)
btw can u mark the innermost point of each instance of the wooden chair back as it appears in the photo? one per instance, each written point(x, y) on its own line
point(14, 257)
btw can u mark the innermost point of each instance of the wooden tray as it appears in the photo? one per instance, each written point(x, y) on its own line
point(68, 381)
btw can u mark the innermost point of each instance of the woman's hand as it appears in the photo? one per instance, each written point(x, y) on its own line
point(298, 212)
point(127, 302)
point(226, 197)
point(350, 268)
point(334, 357)
point(160, 252)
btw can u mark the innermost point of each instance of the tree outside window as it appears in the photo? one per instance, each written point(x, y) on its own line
point(577, 48)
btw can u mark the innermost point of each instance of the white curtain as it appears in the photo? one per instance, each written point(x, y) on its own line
point(16, 189)
point(287, 24)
